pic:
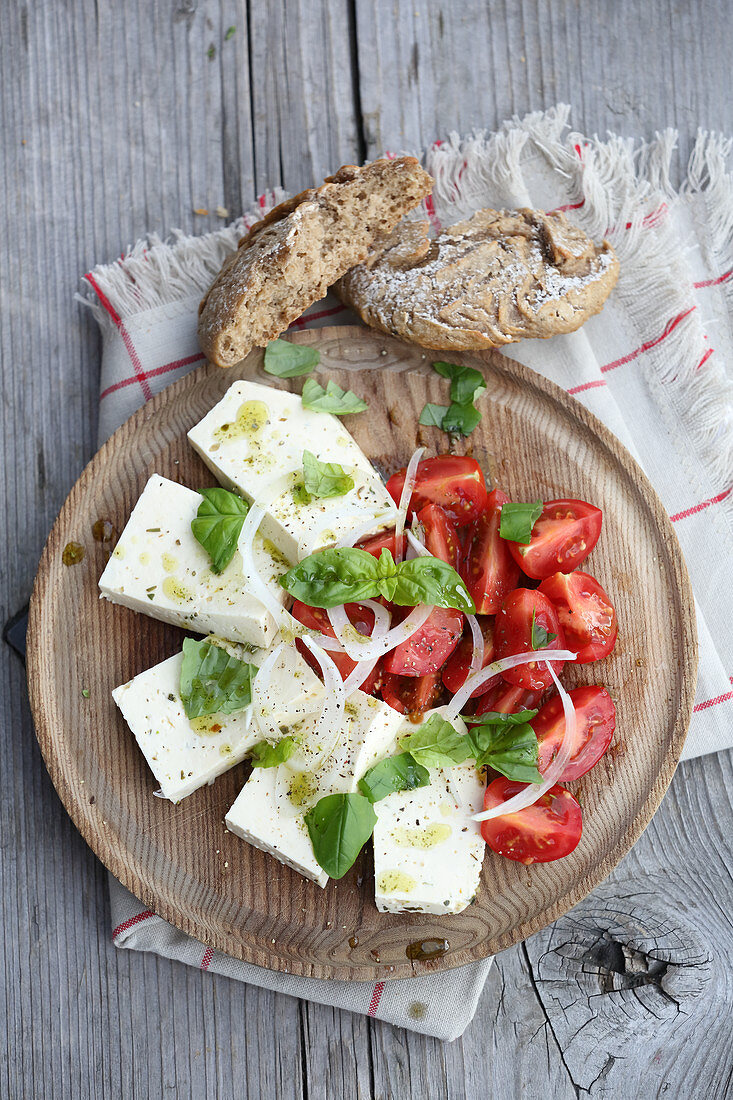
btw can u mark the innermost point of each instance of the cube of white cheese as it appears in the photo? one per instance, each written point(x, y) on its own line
point(184, 754)
point(160, 569)
point(253, 441)
point(427, 851)
point(270, 811)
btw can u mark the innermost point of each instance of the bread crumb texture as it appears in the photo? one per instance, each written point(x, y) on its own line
point(288, 260)
point(498, 277)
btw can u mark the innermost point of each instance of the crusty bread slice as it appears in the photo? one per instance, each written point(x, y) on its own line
point(497, 277)
point(288, 260)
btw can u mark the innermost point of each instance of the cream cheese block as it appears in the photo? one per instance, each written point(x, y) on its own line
point(428, 852)
point(184, 754)
point(270, 811)
point(253, 441)
point(160, 569)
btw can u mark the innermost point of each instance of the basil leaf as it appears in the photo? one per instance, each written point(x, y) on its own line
point(212, 682)
point(324, 479)
point(395, 773)
point(511, 750)
point(461, 419)
point(466, 383)
point(430, 580)
point(517, 521)
point(498, 718)
point(265, 755)
point(437, 744)
point(539, 638)
point(339, 826)
point(218, 524)
point(432, 416)
point(286, 360)
point(332, 577)
point(387, 575)
point(331, 400)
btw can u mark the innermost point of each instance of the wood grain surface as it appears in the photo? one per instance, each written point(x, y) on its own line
point(538, 443)
point(116, 122)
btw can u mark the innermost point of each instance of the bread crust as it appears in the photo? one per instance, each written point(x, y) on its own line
point(497, 277)
point(288, 260)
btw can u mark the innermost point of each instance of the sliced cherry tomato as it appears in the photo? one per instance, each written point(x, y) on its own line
point(454, 482)
point(410, 694)
point(562, 538)
point(458, 664)
point(315, 618)
point(513, 634)
point(547, 830)
point(441, 537)
point(429, 647)
point(489, 569)
point(595, 721)
point(508, 699)
point(375, 544)
point(586, 614)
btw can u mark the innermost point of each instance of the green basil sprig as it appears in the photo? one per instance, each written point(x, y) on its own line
point(517, 520)
point(331, 400)
point(348, 575)
point(324, 479)
point(212, 682)
point(394, 773)
point(505, 742)
point(218, 525)
point(461, 416)
point(539, 637)
point(265, 755)
point(286, 360)
point(339, 826)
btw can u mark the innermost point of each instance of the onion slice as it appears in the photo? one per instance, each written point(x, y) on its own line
point(477, 657)
point(328, 726)
point(257, 586)
point(369, 527)
point(377, 645)
point(405, 497)
point(465, 692)
point(260, 686)
point(420, 549)
point(534, 791)
point(358, 675)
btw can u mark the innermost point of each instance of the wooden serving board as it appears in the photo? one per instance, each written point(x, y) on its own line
point(180, 860)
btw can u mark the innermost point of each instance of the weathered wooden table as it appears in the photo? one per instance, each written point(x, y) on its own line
point(122, 118)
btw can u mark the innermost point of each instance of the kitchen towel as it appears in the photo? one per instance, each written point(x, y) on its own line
point(652, 366)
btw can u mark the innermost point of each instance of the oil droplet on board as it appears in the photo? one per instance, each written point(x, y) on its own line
point(424, 950)
point(353, 942)
point(103, 530)
point(72, 553)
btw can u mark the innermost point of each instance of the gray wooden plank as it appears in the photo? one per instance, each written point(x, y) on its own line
point(129, 126)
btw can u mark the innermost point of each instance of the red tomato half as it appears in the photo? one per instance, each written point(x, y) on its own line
point(411, 695)
point(562, 538)
point(548, 830)
point(586, 614)
point(456, 669)
point(508, 699)
point(375, 544)
point(429, 647)
point(489, 569)
point(441, 537)
point(315, 618)
point(454, 482)
point(595, 721)
point(513, 634)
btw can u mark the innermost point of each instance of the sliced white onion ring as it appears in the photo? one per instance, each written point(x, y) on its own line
point(477, 657)
point(260, 688)
point(358, 675)
point(465, 692)
point(405, 497)
point(369, 527)
point(328, 726)
point(420, 549)
point(533, 791)
point(376, 646)
point(257, 586)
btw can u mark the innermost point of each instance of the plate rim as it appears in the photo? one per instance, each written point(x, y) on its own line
point(52, 750)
